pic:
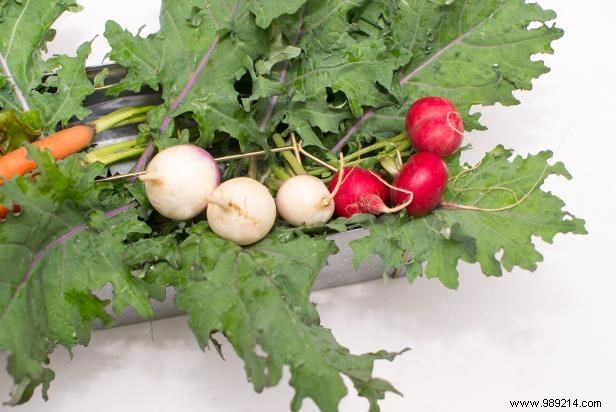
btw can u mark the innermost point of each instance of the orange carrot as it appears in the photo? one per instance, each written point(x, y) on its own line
point(61, 144)
point(3, 212)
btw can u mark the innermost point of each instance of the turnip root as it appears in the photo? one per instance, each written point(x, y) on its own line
point(179, 180)
point(241, 210)
point(305, 201)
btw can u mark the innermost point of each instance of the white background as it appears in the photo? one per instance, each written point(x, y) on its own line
point(549, 334)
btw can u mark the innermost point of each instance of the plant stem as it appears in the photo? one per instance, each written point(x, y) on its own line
point(320, 170)
point(280, 173)
point(360, 122)
point(112, 148)
point(118, 157)
point(133, 120)
point(403, 147)
point(253, 168)
point(399, 141)
point(115, 152)
point(297, 167)
point(120, 116)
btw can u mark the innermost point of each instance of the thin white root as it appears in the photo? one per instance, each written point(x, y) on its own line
point(341, 178)
point(450, 123)
point(504, 208)
point(400, 207)
point(314, 158)
point(296, 148)
point(397, 189)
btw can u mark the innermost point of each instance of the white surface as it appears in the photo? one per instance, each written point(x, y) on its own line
point(526, 336)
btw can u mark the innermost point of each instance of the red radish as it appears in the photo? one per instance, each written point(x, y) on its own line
point(427, 108)
point(425, 174)
point(438, 136)
point(434, 125)
point(361, 191)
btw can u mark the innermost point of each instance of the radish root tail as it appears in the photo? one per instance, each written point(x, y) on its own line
point(400, 207)
point(341, 178)
point(451, 205)
point(450, 123)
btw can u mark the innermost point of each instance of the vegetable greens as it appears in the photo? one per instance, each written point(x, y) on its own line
point(331, 71)
point(438, 241)
point(54, 256)
point(57, 87)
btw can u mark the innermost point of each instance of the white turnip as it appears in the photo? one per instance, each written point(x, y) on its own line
point(305, 201)
point(241, 210)
point(179, 180)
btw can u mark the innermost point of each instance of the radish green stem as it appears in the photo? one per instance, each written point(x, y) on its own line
point(112, 148)
point(297, 167)
point(115, 152)
point(144, 158)
point(132, 120)
point(320, 170)
point(266, 175)
point(119, 116)
point(283, 74)
point(280, 173)
point(253, 168)
point(397, 140)
point(316, 159)
point(8, 76)
point(360, 122)
point(117, 157)
point(289, 170)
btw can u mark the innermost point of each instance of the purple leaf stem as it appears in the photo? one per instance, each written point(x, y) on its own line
point(38, 257)
point(192, 80)
point(406, 79)
point(143, 159)
point(283, 74)
point(342, 142)
point(67, 236)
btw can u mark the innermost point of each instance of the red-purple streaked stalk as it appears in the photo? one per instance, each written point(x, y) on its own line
point(66, 237)
point(342, 142)
point(192, 80)
point(283, 74)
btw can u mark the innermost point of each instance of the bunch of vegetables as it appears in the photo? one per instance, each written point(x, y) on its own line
point(201, 211)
